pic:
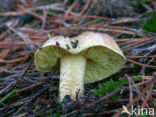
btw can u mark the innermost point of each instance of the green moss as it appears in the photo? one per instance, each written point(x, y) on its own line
point(52, 11)
point(54, 115)
point(150, 25)
point(98, 21)
point(111, 85)
point(139, 7)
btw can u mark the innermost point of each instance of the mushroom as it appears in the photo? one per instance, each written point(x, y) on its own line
point(84, 59)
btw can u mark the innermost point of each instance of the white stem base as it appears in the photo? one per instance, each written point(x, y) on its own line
point(72, 71)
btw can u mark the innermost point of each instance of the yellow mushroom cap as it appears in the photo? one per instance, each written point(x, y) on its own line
point(103, 55)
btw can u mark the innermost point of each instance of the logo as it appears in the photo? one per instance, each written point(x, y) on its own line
point(138, 111)
point(125, 110)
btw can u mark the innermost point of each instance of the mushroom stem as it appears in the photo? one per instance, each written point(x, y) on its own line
point(72, 71)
